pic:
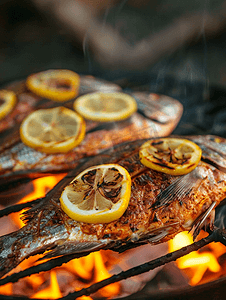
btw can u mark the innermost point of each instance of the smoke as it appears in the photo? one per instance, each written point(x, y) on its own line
point(220, 219)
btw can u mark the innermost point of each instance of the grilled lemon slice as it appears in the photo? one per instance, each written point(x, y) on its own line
point(52, 130)
point(99, 194)
point(105, 107)
point(57, 85)
point(7, 102)
point(170, 155)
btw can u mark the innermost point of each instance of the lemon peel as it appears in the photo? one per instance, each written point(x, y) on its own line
point(56, 85)
point(7, 102)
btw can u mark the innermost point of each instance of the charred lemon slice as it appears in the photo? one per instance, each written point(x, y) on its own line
point(170, 155)
point(99, 194)
point(52, 130)
point(57, 85)
point(7, 102)
point(105, 107)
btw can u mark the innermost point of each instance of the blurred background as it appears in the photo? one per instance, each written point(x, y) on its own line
point(115, 39)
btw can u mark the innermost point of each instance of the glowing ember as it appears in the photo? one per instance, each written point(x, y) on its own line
point(197, 263)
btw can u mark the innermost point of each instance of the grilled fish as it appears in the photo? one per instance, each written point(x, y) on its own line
point(160, 206)
point(156, 116)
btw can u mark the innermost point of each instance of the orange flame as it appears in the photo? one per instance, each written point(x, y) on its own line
point(82, 267)
point(89, 269)
point(41, 187)
point(101, 273)
point(199, 262)
point(52, 291)
point(34, 280)
point(92, 268)
point(7, 289)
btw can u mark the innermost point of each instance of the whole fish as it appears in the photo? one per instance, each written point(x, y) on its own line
point(160, 206)
point(156, 116)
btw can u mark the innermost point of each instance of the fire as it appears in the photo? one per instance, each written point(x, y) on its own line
point(6, 289)
point(102, 273)
point(197, 263)
point(52, 292)
point(92, 268)
point(41, 187)
point(89, 269)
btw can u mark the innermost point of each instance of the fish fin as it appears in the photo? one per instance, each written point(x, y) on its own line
point(73, 248)
point(155, 235)
point(179, 188)
point(201, 220)
point(158, 234)
point(158, 237)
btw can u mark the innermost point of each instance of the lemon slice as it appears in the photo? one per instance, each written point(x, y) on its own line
point(52, 130)
point(57, 85)
point(170, 155)
point(7, 102)
point(105, 107)
point(99, 194)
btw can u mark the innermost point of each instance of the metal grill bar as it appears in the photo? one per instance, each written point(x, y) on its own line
point(18, 207)
point(218, 235)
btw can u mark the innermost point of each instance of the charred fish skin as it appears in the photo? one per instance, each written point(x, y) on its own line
point(160, 206)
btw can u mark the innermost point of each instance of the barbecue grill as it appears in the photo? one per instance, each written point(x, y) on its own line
point(204, 113)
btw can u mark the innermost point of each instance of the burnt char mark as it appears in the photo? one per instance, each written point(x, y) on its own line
point(133, 228)
point(132, 163)
point(116, 170)
point(107, 236)
point(143, 179)
point(103, 126)
point(155, 219)
point(157, 143)
point(150, 117)
point(89, 177)
point(190, 166)
point(185, 161)
point(112, 194)
point(221, 168)
point(163, 165)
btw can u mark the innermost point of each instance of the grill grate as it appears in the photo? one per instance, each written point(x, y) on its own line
point(204, 113)
point(218, 235)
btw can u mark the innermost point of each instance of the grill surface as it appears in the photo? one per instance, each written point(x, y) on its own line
point(204, 113)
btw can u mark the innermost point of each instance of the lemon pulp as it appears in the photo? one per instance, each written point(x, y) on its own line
point(104, 107)
point(53, 130)
point(170, 155)
point(99, 194)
